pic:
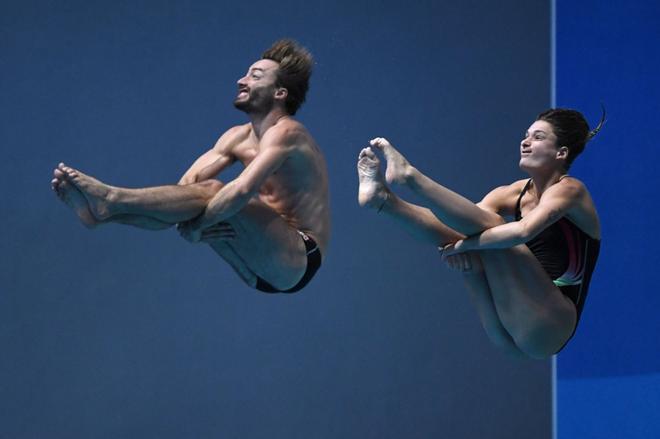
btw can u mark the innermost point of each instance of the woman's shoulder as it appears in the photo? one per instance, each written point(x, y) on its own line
point(516, 187)
point(583, 212)
point(502, 199)
point(572, 186)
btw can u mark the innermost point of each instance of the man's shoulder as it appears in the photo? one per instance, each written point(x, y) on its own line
point(238, 131)
point(287, 131)
point(233, 136)
point(289, 126)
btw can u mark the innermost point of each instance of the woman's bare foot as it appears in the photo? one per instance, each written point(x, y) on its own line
point(398, 168)
point(373, 192)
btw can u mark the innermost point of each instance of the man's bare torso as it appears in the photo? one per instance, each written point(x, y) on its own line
point(298, 189)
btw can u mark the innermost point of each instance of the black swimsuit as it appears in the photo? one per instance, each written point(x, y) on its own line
point(567, 254)
point(313, 264)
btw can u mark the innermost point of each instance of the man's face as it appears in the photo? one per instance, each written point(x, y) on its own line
point(256, 90)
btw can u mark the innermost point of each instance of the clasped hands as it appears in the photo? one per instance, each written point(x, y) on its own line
point(194, 231)
point(455, 255)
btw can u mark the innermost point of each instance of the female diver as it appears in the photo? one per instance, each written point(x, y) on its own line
point(527, 278)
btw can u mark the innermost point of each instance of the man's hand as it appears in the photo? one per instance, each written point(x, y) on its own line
point(218, 232)
point(191, 232)
point(188, 179)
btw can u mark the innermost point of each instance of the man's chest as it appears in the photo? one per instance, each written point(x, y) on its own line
point(246, 151)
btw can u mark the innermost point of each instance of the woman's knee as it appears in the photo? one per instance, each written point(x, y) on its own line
point(544, 339)
point(503, 341)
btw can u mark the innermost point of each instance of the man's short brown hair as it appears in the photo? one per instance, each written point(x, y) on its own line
point(295, 68)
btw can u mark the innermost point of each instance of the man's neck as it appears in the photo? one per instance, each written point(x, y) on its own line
point(262, 121)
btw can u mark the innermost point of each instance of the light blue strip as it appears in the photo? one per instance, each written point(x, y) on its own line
point(553, 104)
point(553, 53)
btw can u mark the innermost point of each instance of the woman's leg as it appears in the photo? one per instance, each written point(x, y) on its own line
point(522, 311)
point(539, 318)
point(418, 221)
point(454, 210)
point(480, 294)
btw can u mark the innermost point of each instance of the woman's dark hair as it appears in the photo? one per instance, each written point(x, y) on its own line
point(294, 70)
point(571, 129)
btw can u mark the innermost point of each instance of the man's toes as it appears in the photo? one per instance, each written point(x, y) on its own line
point(68, 171)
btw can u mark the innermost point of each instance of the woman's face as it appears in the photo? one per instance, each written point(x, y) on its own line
point(539, 149)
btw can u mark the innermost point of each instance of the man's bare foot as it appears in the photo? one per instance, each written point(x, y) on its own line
point(398, 169)
point(95, 192)
point(73, 198)
point(372, 191)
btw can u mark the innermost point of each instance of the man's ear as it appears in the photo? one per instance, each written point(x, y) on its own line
point(281, 93)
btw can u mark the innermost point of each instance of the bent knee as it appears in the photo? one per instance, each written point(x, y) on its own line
point(210, 187)
point(499, 220)
point(544, 340)
point(503, 341)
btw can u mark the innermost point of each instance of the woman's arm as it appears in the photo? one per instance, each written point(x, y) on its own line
point(555, 203)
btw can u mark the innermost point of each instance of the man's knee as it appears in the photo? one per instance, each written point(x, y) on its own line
point(211, 186)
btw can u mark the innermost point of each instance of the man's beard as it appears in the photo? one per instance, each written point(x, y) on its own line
point(245, 106)
point(254, 104)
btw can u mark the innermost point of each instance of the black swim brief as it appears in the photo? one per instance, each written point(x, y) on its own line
point(313, 264)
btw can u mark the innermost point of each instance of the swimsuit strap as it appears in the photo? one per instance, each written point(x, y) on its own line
point(310, 245)
point(524, 191)
point(518, 214)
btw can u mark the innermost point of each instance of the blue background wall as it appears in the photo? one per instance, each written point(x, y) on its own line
point(124, 333)
point(609, 376)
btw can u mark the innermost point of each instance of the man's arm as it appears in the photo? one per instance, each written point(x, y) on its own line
point(215, 160)
point(274, 148)
point(554, 204)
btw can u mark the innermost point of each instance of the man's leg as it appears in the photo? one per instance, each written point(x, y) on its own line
point(226, 252)
point(75, 200)
point(267, 245)
point(165, 204)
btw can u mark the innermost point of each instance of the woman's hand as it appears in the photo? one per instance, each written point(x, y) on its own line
point(455, 257)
